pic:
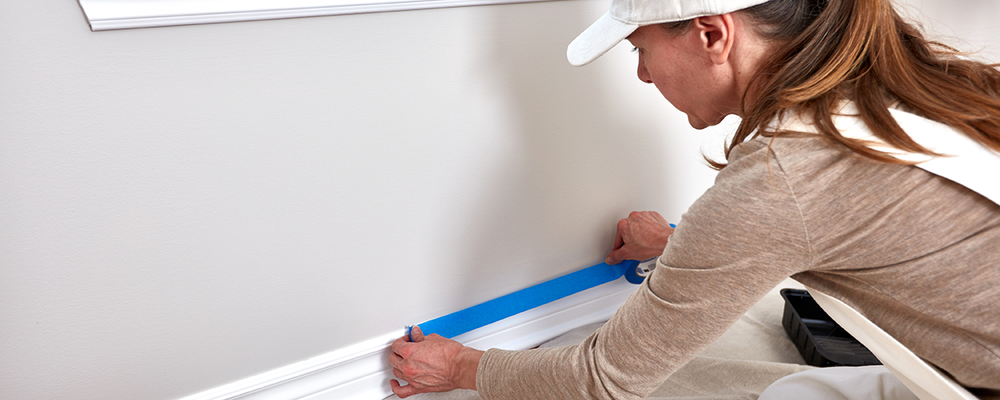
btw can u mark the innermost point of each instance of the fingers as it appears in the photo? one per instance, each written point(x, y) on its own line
point(652, 216)
point(395, 360)
point(620, 233)
point(615, 257)
point(641, 236)
point(416, 334)
point(403, 348)
point(399, 346)
point(400, 390)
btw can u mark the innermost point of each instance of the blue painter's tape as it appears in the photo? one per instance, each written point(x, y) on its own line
point(483, 314)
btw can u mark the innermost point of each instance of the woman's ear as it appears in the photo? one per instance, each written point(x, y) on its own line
point(715, 36)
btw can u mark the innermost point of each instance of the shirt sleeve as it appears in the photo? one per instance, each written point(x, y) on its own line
point(741, 238)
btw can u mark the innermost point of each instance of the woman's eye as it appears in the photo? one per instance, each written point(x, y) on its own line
point(635, 49)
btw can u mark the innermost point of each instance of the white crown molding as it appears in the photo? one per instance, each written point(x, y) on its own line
point(125, 14)
point(362, 371)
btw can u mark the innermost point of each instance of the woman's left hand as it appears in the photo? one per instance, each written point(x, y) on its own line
point(432, 364)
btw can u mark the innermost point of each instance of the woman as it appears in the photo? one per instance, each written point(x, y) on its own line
point(819, 185)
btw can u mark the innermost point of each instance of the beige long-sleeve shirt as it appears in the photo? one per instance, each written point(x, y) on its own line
point(916, 253)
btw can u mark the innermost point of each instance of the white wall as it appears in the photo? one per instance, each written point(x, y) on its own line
point(968, 25)
point(188, 206)
point(184, 207)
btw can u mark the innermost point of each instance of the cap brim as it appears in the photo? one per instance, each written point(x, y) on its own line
point(600, 37)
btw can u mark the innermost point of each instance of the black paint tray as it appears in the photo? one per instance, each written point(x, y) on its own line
point(820, 341)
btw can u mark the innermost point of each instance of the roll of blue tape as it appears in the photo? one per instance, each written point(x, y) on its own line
point(483, 314)
point(639, 273)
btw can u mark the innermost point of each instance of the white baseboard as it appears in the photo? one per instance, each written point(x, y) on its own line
point(362, 371)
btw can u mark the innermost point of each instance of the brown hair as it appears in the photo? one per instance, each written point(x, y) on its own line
point(862, 50)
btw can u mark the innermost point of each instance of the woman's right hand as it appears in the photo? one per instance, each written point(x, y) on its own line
point(641, 236)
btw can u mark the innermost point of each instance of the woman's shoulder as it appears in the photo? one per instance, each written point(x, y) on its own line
point(798, 151)
point(810, 166)
point(827, 180)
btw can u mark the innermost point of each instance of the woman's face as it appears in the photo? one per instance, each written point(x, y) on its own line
point(685, 75)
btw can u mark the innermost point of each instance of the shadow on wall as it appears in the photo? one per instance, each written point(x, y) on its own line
point(581, 163)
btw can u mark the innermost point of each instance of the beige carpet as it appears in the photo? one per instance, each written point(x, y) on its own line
point(751, 355)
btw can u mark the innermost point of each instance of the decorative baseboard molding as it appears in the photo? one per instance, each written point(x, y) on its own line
point(362, 371)
point(125, 14)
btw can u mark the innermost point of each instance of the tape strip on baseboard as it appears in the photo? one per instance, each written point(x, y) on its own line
point(491, 311)
point(486, 313)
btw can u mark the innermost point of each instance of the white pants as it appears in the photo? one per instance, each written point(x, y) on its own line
point(839, 383)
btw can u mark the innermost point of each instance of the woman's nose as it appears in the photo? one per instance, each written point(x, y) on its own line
point(642, 72)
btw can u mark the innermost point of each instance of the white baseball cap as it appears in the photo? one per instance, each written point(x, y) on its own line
point(625, 16)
